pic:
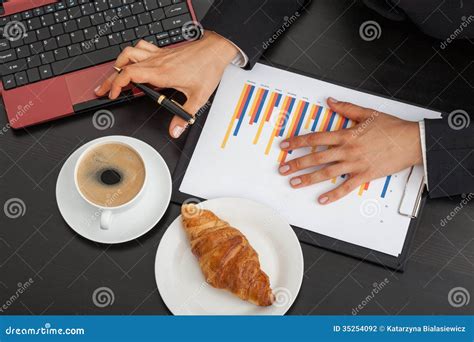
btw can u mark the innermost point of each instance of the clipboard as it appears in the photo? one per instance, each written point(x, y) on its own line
point(409, 208)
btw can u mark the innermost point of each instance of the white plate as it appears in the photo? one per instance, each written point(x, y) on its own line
point(128, 224)
point(181, 282)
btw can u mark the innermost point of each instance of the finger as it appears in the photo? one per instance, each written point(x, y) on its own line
point(311, 160)
point(104, 88)
point(342, 190)
point(132, 55)
point(312, 139)
point(350, 110)
point(321, 175)
point(130, 73)
point(179, 125)
point(143, 44)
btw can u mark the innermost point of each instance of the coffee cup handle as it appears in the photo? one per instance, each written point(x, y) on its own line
point(105, 219)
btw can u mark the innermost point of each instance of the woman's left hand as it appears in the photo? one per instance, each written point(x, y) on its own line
point(378, 145)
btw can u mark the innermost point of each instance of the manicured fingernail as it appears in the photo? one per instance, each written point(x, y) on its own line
point(333, 100)
point(284, 168)
point(177, 131)
point(96, 89)
point(295, 181)
point(323, 200)
point(284, 144)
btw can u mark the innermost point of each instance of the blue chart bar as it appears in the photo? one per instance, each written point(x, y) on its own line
point(385, 186)
point(240, 328)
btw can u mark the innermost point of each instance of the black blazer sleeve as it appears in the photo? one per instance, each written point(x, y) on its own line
point(251, 24)
point(450, 154)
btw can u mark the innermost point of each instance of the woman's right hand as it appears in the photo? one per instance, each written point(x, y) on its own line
point(194, 68)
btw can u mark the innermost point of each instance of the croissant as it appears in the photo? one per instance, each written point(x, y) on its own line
point(225, 256)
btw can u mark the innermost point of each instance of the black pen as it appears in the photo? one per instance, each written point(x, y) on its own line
point(170, 104)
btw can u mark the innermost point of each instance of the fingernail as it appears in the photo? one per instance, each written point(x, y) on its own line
point(295, 181)
point(96, 89)
point(284, 144)
point(323, 200)
point(284, 168)
point(333, 100)
point(177, 131)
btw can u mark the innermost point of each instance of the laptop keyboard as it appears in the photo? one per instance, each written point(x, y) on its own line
point(70, 35)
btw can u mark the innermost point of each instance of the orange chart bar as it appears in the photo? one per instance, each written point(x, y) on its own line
point(272, 103)
point(281, 117)
point(238, 109)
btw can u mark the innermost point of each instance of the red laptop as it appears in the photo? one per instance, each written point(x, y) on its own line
point(54, 54)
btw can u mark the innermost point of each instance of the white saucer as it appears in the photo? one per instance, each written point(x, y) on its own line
point(182, 285)
point(128, 224)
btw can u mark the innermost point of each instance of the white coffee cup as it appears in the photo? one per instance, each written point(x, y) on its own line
point(107, 212)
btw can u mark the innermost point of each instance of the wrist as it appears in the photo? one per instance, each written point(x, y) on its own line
point(222, 46)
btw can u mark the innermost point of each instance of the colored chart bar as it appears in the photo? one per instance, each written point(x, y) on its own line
point(281, 121)
point(294, 126)
point(244, 109)
point(238, 110)
point(385, 186)
point(257, 106)
point(272, 103)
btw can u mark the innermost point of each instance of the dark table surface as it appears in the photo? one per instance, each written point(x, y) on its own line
point(66, 268)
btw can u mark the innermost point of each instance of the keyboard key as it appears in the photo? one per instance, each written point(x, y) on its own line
point(95, 19)
point(151, 39)
point(137, 8)
point(22, 51)
point(47, 57)
point(101, 42)
point(27, 15)
point(33, 75)
point(30, 37)
point(174, 10)
point(177, 39)
point(70, 26)
point(124, 11)
point(71, 3)
point(33, 61)
point(61, 16)
point(43, 33)
point(131, 22)
point(174, 22)
point(162, 35)
point(150, 4)
point(60, 54)
point(158, 14)
point(164, 42)
point(77, 37)
point(20, 78)
point(128, 35)
point(74, 12)
point(163, 3)
point(115, 3)
point(90, 32)
point(33, 23)
point(12, 67)
point(45, 72)
point(118, 26)
point(60, 5)
point(101, 5)
point(56, 29)
point(50, 44)
point(38, 11)
point(88, 9)
point(115, 38)
point(49, 8)
point(36, 47)
point(141, 31)
point(84, 60)
point(155, 28)
point(144, 18)
point(4, 44)
point(7, 56)
point(174, 32)
point(47, 19)
point(8, 82)
point(83, 22)
point(74, 50)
